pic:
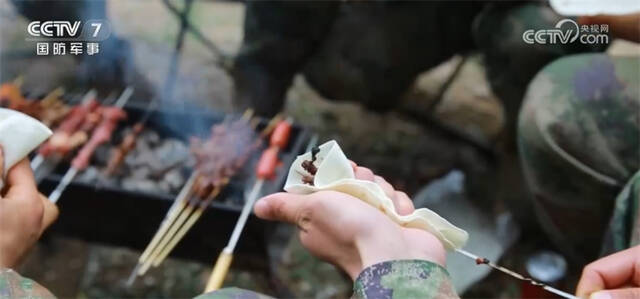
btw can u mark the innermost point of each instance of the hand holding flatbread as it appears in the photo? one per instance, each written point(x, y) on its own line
point(19, 135)
point(335, 172)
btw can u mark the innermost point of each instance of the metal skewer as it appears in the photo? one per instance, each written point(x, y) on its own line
point(265, 170)
point(73, 170)
point(203, 205)
point(177, 222)
point(177, 206)
point(39, 158)
point(515, 275)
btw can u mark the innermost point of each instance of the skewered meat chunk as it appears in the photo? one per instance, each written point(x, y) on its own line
point(10, 95)
point(49, 110)
point(309, 167)
point(128, 143)
point(222, 155)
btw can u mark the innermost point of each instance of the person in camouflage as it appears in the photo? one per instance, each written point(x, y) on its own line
point(578, 137)
point(24, 215)
point(391, 279)
point(383, 259)
point(371, 53)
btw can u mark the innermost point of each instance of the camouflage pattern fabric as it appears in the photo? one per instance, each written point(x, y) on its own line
point(578, 137)
point(624, 229)
point(233, 293)
point(404, 279)
point(392, 279)
point(511, 63)
point(12, 285)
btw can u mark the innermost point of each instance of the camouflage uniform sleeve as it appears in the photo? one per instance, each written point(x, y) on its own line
point(233, 293)
point(404, 279)
point(624, 229)
point(12, 285)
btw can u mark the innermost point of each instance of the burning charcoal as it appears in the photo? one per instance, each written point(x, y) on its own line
point(101, 155)
point(142, 185)
point(141, 173)
point(142, 156)
point(107, 181)
point(89, 175)
point(191, 162)
point(164, 186)
point(174, 179)
point(170, 153)
point(152, 137)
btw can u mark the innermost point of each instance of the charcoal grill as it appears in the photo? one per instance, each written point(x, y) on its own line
point(115, 216)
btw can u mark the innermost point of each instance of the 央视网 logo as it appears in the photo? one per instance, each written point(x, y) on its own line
point(568, 31)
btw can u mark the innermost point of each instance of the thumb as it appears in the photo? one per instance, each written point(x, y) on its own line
point(281, 206)
point(617, 294)
point(50, 214)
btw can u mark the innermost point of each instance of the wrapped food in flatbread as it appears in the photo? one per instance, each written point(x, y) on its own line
point(19, 135)
point(333, 171)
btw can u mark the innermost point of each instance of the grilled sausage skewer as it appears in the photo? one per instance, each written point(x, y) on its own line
point(58, 143)
point(101, 134)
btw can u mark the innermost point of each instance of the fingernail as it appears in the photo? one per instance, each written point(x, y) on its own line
point(600, 295)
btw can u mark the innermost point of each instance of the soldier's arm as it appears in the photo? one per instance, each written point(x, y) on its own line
point(390, 279)
point(384, 259)
point(404, 279)
point(24, 215)
point(12, 285)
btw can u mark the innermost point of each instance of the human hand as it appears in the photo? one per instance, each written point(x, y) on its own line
point(24, 213)
point(611, 277)
point(623, 26)
point(348, 232)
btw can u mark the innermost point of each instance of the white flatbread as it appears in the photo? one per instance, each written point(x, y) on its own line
point(336, 173)
point(19, 135)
